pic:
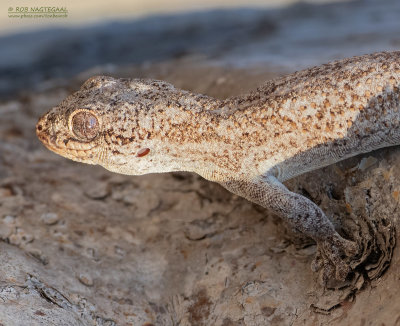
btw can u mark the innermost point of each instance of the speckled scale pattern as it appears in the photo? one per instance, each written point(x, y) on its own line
point(330, 109)
point(249, 143)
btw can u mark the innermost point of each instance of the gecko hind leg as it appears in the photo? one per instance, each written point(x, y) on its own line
point(301, 213)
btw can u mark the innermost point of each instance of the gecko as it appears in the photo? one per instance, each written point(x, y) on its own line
point(250, 144)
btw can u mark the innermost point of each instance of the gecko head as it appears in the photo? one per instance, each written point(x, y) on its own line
point(106, 122)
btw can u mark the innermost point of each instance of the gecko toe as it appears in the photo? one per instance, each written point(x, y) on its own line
point(317, 263)
point(333, 257)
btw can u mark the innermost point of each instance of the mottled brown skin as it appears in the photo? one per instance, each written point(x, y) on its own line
point(249, 144)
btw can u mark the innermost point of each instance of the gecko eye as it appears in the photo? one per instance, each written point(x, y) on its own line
point(85, 125)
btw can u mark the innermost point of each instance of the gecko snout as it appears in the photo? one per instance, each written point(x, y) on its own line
point(40, 128)
point(43, 130)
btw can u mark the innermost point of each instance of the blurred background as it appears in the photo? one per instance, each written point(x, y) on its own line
point(101, 37)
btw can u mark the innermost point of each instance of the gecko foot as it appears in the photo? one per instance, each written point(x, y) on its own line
point(331, 258)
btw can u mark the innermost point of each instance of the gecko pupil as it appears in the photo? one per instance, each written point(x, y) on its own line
point(85, 125)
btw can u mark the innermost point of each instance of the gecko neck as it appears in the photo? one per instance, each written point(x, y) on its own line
point(188, 134)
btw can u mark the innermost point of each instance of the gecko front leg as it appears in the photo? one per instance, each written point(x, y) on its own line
point(302, 214)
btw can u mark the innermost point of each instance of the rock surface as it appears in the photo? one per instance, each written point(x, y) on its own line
point(83, 246)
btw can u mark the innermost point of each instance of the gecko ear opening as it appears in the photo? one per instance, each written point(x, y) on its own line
point(143, 152)
point(84, 125)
